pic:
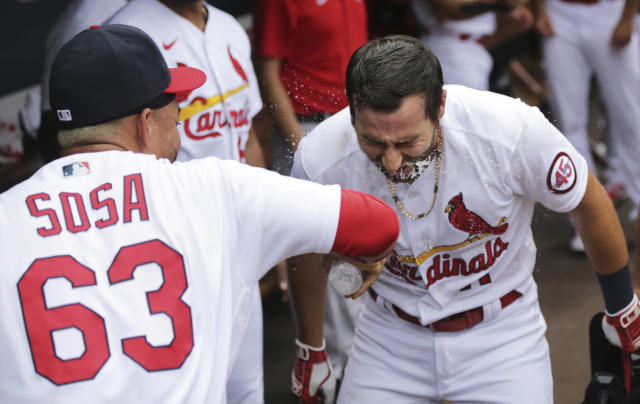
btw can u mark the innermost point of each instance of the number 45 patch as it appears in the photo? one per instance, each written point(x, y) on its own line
point(562, 174)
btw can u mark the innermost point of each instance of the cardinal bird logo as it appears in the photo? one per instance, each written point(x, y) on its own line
point(465, 220)
point(237, 66)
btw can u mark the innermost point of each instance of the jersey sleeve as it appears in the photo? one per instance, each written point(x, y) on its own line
point(297, 169)
point(274, 26)
point(278, 217)
point(546, 167)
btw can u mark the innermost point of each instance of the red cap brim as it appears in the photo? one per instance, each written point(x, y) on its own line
point(185, 79)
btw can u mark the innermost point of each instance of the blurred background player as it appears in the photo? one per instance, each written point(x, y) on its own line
point(457, 32)
point(583, 38)
point(302, 50)
point(216, 120)
point(77, 16)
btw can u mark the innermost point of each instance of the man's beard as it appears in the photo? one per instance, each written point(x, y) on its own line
point(410, 170)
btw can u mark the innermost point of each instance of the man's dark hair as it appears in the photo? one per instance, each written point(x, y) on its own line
point(385, 70)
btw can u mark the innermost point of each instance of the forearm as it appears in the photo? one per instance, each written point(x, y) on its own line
point(630, 9)
point(307, 288)
point(278, 102)
point(597, 224)
point(367, 229)
point(636, 268)
point(253, 150)
point(537, 6)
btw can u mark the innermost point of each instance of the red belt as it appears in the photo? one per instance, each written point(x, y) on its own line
point(581, 1)
point(455, 322)
point(481, 40)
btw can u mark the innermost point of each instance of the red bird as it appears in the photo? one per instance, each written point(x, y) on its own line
point(237, 65)
point(463, 219)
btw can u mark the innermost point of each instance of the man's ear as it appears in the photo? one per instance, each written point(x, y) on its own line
point(443, 101)
point(143, 129)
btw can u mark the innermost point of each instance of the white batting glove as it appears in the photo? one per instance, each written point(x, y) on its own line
point(312, 378)
point(622, 329)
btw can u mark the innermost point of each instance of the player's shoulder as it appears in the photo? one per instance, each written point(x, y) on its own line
point(486, 115)
point(328, 145)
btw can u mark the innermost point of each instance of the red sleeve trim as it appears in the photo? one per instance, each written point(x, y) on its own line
point(367, 229)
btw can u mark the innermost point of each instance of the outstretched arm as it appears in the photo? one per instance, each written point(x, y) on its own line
point(367, 231)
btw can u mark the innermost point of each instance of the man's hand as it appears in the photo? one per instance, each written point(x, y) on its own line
point(371, 270)
point(543, 23)
point(523, 16)
point(622, 329)
point(312, 379)
point(622, 34)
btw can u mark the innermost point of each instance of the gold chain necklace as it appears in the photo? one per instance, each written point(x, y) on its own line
point(397, 200)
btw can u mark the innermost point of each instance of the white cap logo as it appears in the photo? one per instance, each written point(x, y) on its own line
point(64, 115)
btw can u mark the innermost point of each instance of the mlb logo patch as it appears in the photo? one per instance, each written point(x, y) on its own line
point(64, 115)
point(77, 168)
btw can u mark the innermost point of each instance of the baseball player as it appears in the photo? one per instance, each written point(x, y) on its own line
point(138, 276)
point(586, 37)
point(77, 16)
point(455, 313)
point(216, 120)
point(457, 32)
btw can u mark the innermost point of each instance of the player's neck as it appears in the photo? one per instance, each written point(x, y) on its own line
point(91, 148)
point(193, 11)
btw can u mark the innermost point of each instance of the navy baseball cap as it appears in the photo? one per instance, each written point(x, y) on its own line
point(109, 72)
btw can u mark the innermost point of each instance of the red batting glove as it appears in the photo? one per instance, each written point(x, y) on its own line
point(312, 377)
point(623, 328)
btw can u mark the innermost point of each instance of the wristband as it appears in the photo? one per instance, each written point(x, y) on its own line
point(616, 289)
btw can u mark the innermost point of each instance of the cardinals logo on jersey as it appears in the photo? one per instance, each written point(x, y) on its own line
point(208, 117)
point(465, 220)
point(444, 262)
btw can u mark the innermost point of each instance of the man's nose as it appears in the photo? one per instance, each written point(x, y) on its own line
point(391, 159)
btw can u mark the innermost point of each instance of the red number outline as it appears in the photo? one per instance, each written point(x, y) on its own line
point(173, 355)
point(41, 321)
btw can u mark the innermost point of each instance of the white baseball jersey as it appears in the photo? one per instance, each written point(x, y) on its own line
point(499, 157)
point(76, 17)
point(217, 116)
point(483, 24)
point(128, 279)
